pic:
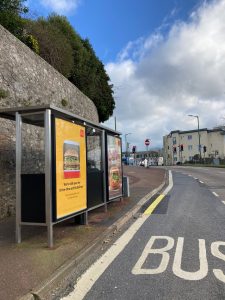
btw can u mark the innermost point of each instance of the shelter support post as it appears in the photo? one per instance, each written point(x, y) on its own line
point(18, 176)
point(104, 169)
point(48, 177)
point(84, 218)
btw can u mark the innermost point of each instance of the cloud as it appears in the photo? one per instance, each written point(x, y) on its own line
point(61, 6)
point(161, 79)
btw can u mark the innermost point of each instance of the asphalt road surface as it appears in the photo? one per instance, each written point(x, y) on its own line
point(213, 178)
point(176, 251)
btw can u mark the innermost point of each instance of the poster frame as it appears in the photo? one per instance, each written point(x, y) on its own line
point(54, 183)
point(107, 166)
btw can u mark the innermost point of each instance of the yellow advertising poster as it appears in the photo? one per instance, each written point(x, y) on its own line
point(71, 195)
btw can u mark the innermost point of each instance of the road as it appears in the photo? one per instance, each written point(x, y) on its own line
point(213, 178)
point(176, 251)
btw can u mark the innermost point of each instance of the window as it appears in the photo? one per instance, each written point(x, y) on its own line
point(190, 158)
point(175, 158)
point(190, 137)
point(189, 147)
point(174, 141)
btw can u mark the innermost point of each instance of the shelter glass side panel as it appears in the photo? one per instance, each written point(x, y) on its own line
point(114, 167)
point(95, 170)
point(70, 164)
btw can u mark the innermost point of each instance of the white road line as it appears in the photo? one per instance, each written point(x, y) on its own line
point(189, 175)
point(223, 202)
point(201, 181)
point(196, 178)
point(87, 280)
point(215, 194)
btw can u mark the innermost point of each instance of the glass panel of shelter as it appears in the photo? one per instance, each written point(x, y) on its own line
point(95, 171)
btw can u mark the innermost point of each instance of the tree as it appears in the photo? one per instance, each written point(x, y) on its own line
point(15, 6)
point(53, 45)
point(10, 16)
point(88, 72)
point(103, 94)
point(55, 40)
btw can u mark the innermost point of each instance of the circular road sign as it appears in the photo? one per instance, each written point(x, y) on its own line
point(147, 142)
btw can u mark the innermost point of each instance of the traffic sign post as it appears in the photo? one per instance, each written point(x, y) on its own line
point(147, 143)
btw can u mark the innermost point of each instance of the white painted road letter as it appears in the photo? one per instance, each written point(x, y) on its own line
point(203, 270)
point(137, 270)
point(216, 252)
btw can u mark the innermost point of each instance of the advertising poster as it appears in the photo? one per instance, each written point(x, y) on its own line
point(114, 167)
point(70, 168)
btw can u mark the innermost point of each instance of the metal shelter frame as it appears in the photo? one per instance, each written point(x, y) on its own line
point(41, 116)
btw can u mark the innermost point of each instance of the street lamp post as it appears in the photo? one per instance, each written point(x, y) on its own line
point(199, 143)
point(126, 144)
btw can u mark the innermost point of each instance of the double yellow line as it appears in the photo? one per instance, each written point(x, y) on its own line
point(151, 208)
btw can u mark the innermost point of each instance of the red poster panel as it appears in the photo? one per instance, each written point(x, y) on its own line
point(114, 167)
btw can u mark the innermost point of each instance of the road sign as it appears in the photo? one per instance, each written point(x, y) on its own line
point(147, 142)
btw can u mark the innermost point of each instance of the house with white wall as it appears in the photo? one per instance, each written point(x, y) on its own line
point(183, 146)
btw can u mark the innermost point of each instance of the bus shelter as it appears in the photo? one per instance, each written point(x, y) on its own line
point(82, 168)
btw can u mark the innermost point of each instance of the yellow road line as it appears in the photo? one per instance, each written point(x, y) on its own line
point(150, 209)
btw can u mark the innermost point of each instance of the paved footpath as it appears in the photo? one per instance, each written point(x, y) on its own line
point(30, 266)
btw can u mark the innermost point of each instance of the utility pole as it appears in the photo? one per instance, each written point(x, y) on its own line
point(199, 142)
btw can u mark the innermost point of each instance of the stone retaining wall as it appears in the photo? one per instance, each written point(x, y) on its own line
point(28, 80)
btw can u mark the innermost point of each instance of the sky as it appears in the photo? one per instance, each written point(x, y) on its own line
point(165, 58)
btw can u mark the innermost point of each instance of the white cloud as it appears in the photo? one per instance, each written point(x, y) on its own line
point(159, 80)
point(61, 6)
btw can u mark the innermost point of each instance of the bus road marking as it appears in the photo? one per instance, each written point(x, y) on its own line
point(91, 275)
point(202, 266)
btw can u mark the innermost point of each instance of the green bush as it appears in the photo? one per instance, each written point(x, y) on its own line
point(64, 102)
point(32, 43)
point(3, 93)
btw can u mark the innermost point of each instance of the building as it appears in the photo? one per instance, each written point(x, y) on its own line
point(183, 146)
